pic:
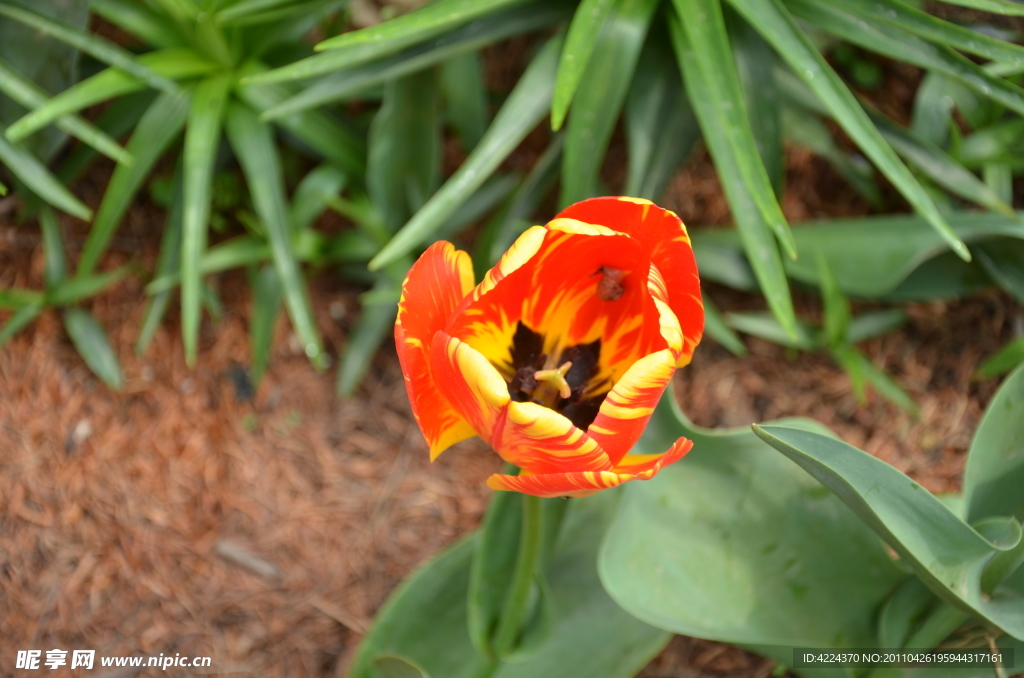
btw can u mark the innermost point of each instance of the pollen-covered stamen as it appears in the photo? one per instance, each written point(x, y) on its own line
point(556, 379)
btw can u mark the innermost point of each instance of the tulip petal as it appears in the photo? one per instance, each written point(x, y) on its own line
point(434, 287)
point(624, 413)
point(664, 239)
point(583, 483)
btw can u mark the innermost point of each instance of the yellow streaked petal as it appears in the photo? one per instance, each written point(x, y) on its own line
point(540, 440)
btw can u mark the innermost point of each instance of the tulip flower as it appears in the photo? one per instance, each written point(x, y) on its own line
point(559, 356)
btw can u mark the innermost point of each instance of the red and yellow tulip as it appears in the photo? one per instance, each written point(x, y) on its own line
point(558, 357)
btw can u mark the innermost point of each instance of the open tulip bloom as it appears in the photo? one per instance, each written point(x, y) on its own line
point(559, 356)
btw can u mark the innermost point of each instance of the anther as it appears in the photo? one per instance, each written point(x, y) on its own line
point(556, 378)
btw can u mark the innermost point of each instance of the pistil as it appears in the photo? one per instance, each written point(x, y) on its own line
point(556, 379)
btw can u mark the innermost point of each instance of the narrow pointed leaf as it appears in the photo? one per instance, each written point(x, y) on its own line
point(525, 107)
point(310, 198)
point(91, 342)
point(202, 138)
point(254, 146)
point(159, 126)
point(1003, 262)
point(874, 324)
point(19, 320)
point(55, 257)
point(1008, 7)
point(465, 95)
point(374, 325)
point(836, 305)
point(13, 298)
point(167, 263)
point(1005, 359)
point(580, 40)
point(117, 120)
point(241, 251)
point(36, 177)
point(139, 20)
point(74, 290)
point(600, 96)
point(266, 303)
point(855, 362)
point(99, 48)
point(946, 553)
point(775, 24)
point(717, 329)
point(766, 326)
point(759, 244)
point(709, 57)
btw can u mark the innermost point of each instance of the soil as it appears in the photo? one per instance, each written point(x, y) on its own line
point(182, 516)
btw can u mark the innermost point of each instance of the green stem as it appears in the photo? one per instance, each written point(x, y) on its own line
point(514, 612)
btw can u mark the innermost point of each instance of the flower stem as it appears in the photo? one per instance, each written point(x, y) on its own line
point(516, 603)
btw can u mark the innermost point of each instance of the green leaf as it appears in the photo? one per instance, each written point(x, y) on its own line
point(310, 198)
point(38, 179)
point(155, 132)
point(55, 257)
point(77, 289)
point(139, 20)
point(479, 204)
point(266, 304)
point(438, 22)
point(717, 329)
point(90, 341)
point(749, 549)
point(759, 244)
point(1008, 7)
point(349, 82)
point(1003, 262)
point(863, 370)
point(28, 94)
point(907, 18)
point(99, 48)
point(755, 65)
point(994, 477)
point(172, 63)
point(1005, 359)
point(239, 251)
point(14, 298)
point(903, 612)
point(766, 326)
point(522, 111)
point(404, 164)
point(395, 667)
point(375, 323)
point(836, 305)
point(19, 320)
point(202, 137)
point(600, 96)
point(167, 263)
point(254, 145)
point(781, 31)
point(705, 54)
point(462, 84)
point(424, 621)
point(117, 119)
point(587, 25)
point(661, 129)
point(874, 324)
point(946, 553)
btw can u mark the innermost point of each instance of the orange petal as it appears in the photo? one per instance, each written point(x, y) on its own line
point(581, 484)
point(624, 413)
point(435, 285)
point(664, 239)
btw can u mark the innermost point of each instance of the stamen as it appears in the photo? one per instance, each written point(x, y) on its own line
point(556, 379)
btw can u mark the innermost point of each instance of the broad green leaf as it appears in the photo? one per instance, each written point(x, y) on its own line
point(159, 126)
point(99, 48)
point(168, 262)
point(424, 622)
point(375, 323)
point(913, 20)
point(766, 326)
point(19, 320)
point(254, 145)
point(28, 94)
point(580, 41)
point(525, 107)
point(946, 553)
point(266, 303)
point(1005, 359)
point(775, 24)
point(465, 97)
point(836, 305)
point(755, 65)
point(600, 95)
point(661, 129)
point(1003, 262)
point(705, 54)
point(139, 20)
point(760, 245)
point(470, 38)
point(202, 137)
point(903, 612)
point(994, 477)
point(322, 133)
point(39, 180)
point(309, 199)
point(748, 549)
point(717, 329)
point(899, 43)
point(357, 56)
point(90, 341)
point(404, 164)
point(172, 63)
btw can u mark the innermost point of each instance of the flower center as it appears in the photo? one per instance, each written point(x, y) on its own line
point(566, 384)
